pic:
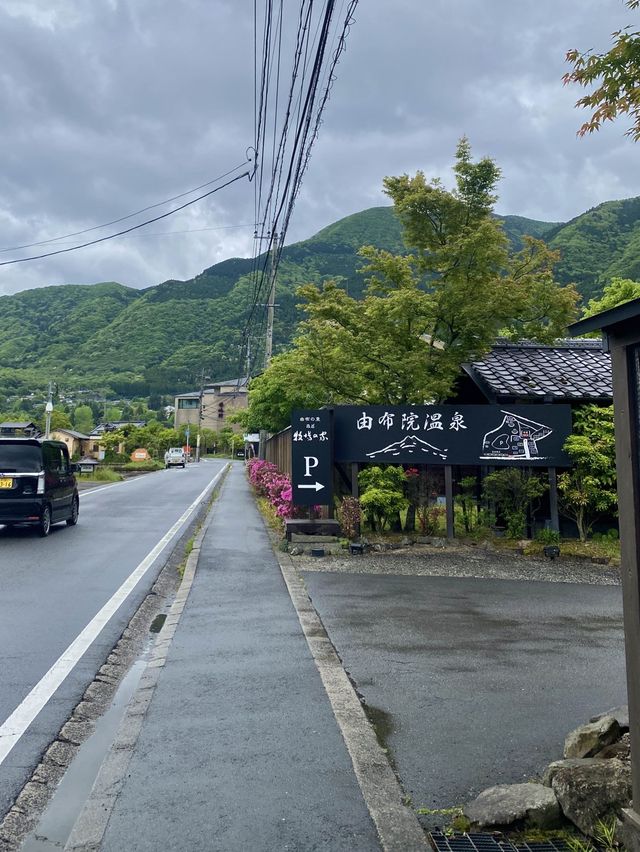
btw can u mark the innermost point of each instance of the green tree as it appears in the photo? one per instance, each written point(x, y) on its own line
point(616, 292)
point(616, 76)
point(513, 491)
point(382, 498)
point(59, 420)
point(83, 419)
point(588, 490)
point(423, 314)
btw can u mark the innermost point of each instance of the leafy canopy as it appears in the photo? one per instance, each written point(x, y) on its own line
point(423, 314)
point(588, 490)
point(616, 76)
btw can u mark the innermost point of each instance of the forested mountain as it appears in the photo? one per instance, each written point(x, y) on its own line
point(116, 339)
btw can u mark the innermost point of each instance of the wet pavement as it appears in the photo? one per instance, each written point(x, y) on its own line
point(239, 748)
point(474, 682)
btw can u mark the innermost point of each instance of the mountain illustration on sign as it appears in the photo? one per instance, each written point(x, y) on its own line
point(515, 439)
point(409, 445)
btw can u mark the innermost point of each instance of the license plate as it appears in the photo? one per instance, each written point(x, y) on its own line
point(6, 483)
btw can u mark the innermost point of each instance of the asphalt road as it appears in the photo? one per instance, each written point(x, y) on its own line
point(53, 588)
point(478, 681)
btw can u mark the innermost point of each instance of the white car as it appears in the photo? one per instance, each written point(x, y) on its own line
point(175, 457)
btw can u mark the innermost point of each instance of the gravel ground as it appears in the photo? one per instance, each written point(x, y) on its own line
point(462, 561)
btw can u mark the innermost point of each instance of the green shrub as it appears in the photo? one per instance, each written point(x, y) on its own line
point(148, 464)
point(383, 497)
point(382, 506)
point(547, 536)
point(106, 474)
point(513, 491)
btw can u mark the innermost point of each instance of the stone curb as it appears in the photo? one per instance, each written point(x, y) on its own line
point(397, 826)
point(88, 830)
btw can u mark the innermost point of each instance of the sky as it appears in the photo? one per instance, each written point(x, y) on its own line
point(111, 106)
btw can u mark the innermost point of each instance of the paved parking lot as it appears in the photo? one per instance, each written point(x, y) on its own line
point(476, 681)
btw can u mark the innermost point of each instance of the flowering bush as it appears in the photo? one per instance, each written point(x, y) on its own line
point(275, 486)
point(350, 516)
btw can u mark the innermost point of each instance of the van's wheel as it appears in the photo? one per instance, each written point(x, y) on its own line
point(75, 509)
point(44, 526)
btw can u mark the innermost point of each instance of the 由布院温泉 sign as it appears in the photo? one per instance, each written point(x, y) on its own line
point(451, 434)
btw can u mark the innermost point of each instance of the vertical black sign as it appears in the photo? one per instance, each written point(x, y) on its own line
point(312, 457)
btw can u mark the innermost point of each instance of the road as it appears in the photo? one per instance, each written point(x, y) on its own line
point(72, 588)
point(475, 681)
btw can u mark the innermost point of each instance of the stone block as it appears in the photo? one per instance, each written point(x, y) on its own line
point(593, 792)
point(506, 804)
point(588, 739)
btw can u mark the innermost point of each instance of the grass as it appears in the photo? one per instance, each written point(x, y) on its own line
point(274, 521)
point(142, 466)
point(102, 474)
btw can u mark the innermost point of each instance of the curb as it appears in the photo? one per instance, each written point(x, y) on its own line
point(397, 826)
point(88, 830)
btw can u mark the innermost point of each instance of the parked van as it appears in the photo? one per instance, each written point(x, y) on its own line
point(37, 484)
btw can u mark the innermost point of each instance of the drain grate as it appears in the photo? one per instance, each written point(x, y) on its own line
point(489, 843)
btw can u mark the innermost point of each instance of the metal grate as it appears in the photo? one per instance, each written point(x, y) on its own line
point(489, 843)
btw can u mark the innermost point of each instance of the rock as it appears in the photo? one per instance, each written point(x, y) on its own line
point(406, 541)
point(620, 714)
point(569, 763)
point(594, 792)
point(586, 740)
point(506, 804)
point(621, 750)
point(296, 551)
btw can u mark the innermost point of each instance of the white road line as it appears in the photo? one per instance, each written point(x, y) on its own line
point(24, 714)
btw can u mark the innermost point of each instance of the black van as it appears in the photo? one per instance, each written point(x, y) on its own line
point(37, 483)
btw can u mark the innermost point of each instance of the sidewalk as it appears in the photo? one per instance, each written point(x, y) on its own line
point(239, 749)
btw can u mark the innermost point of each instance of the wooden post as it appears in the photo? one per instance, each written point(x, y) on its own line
point(355, 488)
point(553, 499)
point(448, 496)
point(626, 413)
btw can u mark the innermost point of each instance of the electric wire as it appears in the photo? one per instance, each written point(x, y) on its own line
point(246, 174)
point(129, 215)
point(318, 45)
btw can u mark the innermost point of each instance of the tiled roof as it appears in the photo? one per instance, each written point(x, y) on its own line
point(569, 370)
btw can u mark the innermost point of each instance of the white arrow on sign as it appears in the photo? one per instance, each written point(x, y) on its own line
point(316, 486)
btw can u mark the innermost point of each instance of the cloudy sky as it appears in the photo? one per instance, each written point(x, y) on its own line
point(110, 106)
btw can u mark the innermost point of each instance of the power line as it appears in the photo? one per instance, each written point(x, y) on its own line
point(128, 216)
point(127, 230)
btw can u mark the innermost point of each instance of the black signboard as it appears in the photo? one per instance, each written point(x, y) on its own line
point(312, 457)
point(452, 434)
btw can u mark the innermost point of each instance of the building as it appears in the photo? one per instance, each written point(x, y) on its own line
point(219, 402)
point(77, 442)
point(570, 371)
point(21, 430)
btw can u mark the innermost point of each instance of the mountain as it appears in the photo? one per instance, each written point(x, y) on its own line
point(598, 245)
point(114, 339)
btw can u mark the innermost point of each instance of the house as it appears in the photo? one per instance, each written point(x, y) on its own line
point(77, 442)
point(216, 404)
point(95, 448)
point(114, 425)
point(26, 429)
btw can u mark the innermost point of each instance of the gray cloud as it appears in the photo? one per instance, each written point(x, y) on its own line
point(113, 105)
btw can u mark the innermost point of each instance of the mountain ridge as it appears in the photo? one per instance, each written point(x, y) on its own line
point(120, 340)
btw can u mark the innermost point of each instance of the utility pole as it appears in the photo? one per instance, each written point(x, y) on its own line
point(268, 348)
point(48, 409)
point(271, 305)
point(200, 413)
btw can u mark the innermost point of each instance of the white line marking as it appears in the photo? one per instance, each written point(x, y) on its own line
point(24, 714)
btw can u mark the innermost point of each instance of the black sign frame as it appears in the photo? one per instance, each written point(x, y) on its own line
point(312, 457)
point(470, 435)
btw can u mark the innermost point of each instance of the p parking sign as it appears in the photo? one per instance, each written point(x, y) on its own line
point(312, 457)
